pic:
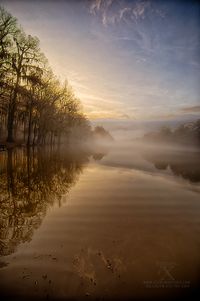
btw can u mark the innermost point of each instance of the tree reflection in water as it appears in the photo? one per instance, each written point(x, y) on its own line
point(181, 163)
point(32, 180)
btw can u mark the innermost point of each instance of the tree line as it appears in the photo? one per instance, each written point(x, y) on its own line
point(35, 107)
point(185, 134)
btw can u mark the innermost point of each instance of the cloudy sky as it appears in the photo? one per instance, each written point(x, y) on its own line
point(126, 59)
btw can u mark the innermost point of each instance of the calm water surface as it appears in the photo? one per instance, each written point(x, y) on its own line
point(121, 224)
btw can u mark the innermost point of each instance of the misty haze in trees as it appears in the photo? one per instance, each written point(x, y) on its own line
point(100, 133)
point(35, 108)
point(187, 134)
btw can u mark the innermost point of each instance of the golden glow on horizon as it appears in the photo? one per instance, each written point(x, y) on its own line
point(112, 78)
point(94, 105)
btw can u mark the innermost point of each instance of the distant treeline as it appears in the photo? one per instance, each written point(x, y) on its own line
point(185, 134)
point(35, 108)
point(100, 133)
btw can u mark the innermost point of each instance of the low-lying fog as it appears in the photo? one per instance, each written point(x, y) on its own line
point(130, 149)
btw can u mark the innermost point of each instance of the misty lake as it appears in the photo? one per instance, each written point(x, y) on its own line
point(123, 222)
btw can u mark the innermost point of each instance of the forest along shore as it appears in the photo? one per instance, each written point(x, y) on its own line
point(35, 107)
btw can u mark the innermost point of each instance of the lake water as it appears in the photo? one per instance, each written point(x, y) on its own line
point(122, 223)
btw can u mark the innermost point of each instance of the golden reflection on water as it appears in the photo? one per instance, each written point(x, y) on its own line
point(181, 163)
point(31, 181)
point(129, 227)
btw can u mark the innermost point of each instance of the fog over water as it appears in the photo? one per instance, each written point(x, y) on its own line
point(121, 222)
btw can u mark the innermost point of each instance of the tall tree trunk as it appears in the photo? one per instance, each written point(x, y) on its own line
point(34, 133)
point(59, 139)
point(51, 139)
point(25, 131)
point(29, 126)
point(11, 114)
point(11, 111)
point(10, 176)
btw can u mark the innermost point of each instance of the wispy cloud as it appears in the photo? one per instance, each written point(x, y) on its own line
point(133, 22)
point(116, 11)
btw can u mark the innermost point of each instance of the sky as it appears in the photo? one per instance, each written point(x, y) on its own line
point(125, 59)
